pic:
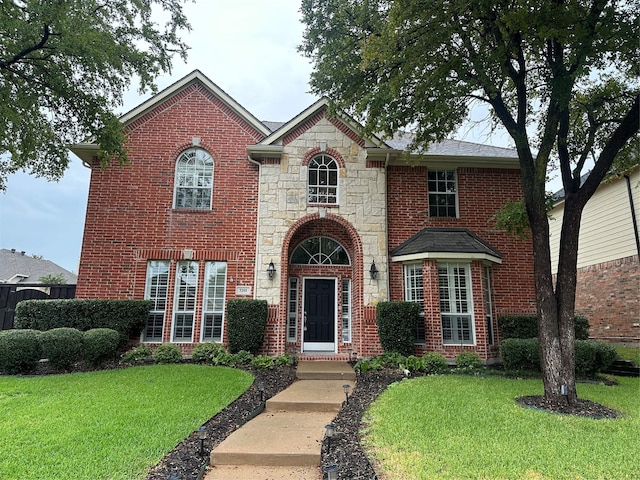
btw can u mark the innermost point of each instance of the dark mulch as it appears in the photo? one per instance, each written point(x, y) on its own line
point(583, 408)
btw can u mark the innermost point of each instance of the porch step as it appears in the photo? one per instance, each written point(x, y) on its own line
point(276, 439)
point(249, 472)
point(325, 370)
point(310, 396)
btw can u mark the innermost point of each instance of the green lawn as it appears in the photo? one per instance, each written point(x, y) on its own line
point(629, 353)
point(112, 424)
point(462, 427)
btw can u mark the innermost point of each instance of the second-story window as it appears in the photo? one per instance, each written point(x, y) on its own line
point(442, 193)
point(194, 180)
point(322, 186)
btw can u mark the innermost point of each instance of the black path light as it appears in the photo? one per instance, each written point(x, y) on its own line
point(346, 388)
point(332, 472)
point(330, 430)
point(261, 390)
point(202, 434)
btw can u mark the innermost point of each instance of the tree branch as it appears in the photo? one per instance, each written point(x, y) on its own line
point(22, 54)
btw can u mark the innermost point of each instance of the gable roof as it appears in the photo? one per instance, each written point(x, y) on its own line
point(86, 151)
point(16, 267)
point(445, 243)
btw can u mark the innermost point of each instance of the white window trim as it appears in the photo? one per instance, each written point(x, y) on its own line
point(337, 185)
point(408, 291)
point(452, 301)
point(205, 312)
point(176, 186)
point(292, 308)
point(456, 193)
point(487, 287)
point(147, 296)
point(345, 314)
point(176, 298)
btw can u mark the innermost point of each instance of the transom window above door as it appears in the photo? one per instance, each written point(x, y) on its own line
point(320, 251)
point(322, 185)
point(194, 180)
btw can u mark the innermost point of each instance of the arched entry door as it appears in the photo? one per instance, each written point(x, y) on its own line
point(320, 262)
point(320, 314)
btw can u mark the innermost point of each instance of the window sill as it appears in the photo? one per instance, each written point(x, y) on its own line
point(325, 205)
point(196, 211)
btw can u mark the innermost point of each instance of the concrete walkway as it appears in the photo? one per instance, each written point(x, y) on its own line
point(285, 441)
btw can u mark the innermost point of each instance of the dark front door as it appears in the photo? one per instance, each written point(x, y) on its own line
point(320, 312)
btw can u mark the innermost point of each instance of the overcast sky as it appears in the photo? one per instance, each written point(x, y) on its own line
point(246, 47)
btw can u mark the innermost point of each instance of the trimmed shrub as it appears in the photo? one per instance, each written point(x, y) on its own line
point(520, 354)
point(207, 352)
point(525, 326)
point(100, 345)
point(581, 327)
point(396, 325)
point(285, 359)
point(138, 355)
point(368, 365)
point(592, 356)
point(392, 360)
point(62, 346)
point(246, 323)
point(128, 317)
point(469, 362)
point(606, 354)
point(414, 364)
point(167, 353)
point(434, 363)
point(19, 351)
point(241, 358)
point(518, 326)
point(262, 362)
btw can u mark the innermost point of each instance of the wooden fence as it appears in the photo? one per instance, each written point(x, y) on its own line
point(12, 294)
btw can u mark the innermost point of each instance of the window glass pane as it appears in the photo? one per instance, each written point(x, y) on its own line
point(292, 314)
point(156, 290)
point(456, 311)
point(185, 301)
point(194, 179)
point(322, 180)
point(414, 292)
point(215, 282)
point(320, 251)
point(442, 193)
point(346, 310)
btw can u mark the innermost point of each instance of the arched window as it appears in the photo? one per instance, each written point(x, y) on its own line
point(323, 180)
point(320, 251)
point(194, 180)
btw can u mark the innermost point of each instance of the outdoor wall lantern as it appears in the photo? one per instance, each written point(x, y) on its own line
point(373, 270)
point(271, 270)
point(346, 388)
point(202, 434)
point(331, 429)
point(332, 472)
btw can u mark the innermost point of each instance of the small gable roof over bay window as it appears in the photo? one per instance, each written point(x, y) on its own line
point(449, 243)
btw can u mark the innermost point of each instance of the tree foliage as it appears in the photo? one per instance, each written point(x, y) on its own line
point(64, 66)
point(561, 76)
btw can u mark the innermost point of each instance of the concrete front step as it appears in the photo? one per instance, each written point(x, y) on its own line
point(325, 370)
point(275, 439)
point(248, 472)
point(311, 396)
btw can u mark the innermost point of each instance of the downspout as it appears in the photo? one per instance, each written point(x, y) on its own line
point(633, 215)
point(255, 268)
